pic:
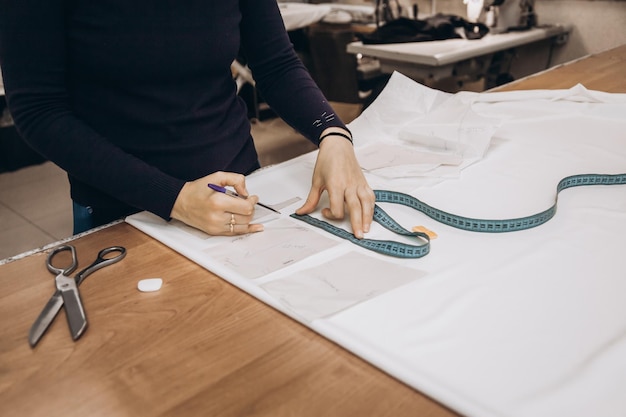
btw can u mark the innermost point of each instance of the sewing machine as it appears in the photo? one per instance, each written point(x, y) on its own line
point(510, 15)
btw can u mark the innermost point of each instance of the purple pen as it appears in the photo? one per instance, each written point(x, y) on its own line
point(226, 191)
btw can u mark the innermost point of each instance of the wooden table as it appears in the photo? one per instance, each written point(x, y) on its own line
point(199, 346)
point(605, 71)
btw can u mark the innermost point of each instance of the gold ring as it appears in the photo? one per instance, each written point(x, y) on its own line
point(232, 228)
point(232, 219)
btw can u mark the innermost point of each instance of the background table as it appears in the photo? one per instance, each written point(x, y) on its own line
point(437, 60)
point(199, 346)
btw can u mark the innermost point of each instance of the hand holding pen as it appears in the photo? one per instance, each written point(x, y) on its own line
point(226, 191)
point(217, 212)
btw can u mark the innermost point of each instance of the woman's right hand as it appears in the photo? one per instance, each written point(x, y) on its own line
point(213, 212)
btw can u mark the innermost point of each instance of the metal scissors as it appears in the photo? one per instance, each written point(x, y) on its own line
point(67, 291)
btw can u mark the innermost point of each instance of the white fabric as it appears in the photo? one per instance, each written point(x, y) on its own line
point(299, 15)
point(530, 323)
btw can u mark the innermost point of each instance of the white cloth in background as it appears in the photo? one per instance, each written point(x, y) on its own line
point(299, 15)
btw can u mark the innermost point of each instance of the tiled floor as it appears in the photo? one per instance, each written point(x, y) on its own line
point(36, 210)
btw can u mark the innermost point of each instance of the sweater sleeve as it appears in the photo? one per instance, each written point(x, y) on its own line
point(282, 79)
point(33, 60)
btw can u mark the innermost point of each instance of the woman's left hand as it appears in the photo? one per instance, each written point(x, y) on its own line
point(338, 172)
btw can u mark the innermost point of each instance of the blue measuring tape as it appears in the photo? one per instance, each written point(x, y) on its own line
point(405, 250)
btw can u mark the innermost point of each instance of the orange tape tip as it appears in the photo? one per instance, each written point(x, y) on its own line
point(426, 231)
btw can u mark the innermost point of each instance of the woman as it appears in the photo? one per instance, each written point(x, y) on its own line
point(136, 101)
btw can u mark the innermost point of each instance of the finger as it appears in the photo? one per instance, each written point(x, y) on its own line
point(311, 201)
point(239, 184)
point(242, 229)
point(355, 211)
point(368, 203)
point(240, 206)
point(232, 179)
point(336, 210)
point(238, 218)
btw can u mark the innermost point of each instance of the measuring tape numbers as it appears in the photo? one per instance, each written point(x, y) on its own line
point(405, 250)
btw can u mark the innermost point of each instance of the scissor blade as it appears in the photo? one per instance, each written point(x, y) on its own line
point(74, 310)
point(46, 316)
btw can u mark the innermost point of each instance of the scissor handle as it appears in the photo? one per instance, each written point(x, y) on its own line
point(102, 261)
point(67, 270)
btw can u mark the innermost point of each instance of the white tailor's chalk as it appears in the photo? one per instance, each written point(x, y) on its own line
point(149, 284)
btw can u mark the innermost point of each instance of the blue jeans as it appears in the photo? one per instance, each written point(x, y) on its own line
point(83, 218)
point(88, 217)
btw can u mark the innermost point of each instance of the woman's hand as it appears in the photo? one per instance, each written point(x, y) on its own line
point(213, 212)
point(338, 172)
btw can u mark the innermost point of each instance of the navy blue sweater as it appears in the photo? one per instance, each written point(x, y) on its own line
point(134, 98)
